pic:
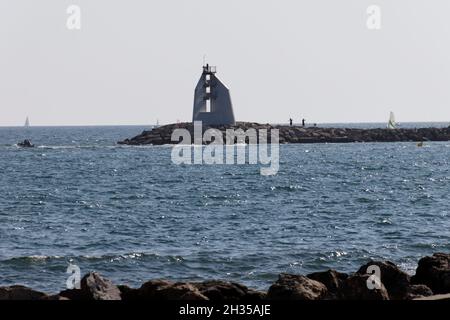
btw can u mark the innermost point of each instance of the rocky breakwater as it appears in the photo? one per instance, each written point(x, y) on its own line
point(295, 134)
point(431, 282)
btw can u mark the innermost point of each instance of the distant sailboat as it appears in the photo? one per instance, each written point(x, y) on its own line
point(392, 124)
point(27, 122)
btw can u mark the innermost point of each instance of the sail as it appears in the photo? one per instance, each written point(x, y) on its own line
point(27, 122)
point(392, 124)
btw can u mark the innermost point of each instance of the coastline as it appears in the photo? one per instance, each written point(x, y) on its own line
point(430, 282)
point(298, 134)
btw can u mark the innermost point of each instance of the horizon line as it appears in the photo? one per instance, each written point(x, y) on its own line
point(261, 122)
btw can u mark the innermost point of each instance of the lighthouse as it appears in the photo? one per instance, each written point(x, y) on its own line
point(212, 100)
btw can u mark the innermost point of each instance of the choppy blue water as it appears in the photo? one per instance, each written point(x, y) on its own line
point(132, 215)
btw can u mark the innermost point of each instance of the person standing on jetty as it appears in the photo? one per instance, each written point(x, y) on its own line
point(290, 122)
point(303, 123)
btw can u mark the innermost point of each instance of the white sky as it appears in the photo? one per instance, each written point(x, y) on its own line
point(135, 61)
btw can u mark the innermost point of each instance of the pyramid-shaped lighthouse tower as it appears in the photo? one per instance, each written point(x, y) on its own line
point(212, 101)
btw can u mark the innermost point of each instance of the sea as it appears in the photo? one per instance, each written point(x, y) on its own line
point(132, 215)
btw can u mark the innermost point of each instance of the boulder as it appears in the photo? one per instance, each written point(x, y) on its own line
point(128, 293)
point(223, 291)
point(180, 291)
point(20, 293)
point(255, 296)
point(296, 287)
point(355, 288)
point(331, 279)
point(73, 294)
point(93, 287)
point(99, 288)
point(149, 290)
point(395, 280)
point(417, 291)
point(434, 272)
point(163, 290)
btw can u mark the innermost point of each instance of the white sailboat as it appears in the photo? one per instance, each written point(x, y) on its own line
point(27, 122)
point(392, 124)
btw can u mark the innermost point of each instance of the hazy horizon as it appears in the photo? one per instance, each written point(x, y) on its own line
point(272, 123)
point(136, 62)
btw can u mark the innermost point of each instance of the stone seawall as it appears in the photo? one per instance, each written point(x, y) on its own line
point(295, 134)
point(431, 282)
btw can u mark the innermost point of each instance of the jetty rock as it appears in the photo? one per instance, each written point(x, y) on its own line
point(332, 279)
point(396, 281)
point(21, 293)
point(198, 291)
point(296, 287)
point(430, 282)
point(93, 287)
point(297, 134)
point(355, 288)
point(434, 272)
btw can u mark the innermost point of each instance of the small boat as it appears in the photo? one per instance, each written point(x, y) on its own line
point(25, 144)
point(27, 122)
point(392, 124)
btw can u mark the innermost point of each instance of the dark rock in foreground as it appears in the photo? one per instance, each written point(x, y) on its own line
point(21, 293)
point(93, 287)
point(355, 288)
point(431, 282)
point(395, 280)
point(434, 272)
point(164, 290)
point(162, 135)
point(223, 291)
point(210, 290)
point(332, 279)
point(417, 291)
point(294, 287)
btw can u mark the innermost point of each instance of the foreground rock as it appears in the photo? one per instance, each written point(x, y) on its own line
point(332, 279)
point(223, 291)
point(355, 288)
point(21, 293)
point(295, 287)
point(210, 290)
point(417, 291)
point(434, 272)
point(163, 290)
point(294, 134)
point(93, 287)
point(431, 282)
point(395, 280)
